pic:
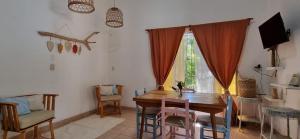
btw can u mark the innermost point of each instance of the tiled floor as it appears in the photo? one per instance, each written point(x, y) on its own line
point(127, 129)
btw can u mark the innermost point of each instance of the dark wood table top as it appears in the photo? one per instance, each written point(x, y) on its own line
point(205, 102)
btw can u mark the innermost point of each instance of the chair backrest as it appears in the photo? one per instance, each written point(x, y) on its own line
point(137, 93)
point(228, 112)
point(173, 111)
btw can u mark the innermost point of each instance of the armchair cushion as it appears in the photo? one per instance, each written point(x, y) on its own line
point(22, 104)
point(35, 102)
point(111, 98)
point(35, 117)
point(108, 90)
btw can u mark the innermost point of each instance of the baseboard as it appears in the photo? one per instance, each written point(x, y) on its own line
point(128, 108)
point(59, 124)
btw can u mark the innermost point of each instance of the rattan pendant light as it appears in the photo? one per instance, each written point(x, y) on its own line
point(114, 17)
point(81, 6)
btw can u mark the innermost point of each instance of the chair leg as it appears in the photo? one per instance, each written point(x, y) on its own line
point(227, 134)
point(187, 133)
point(138, 117)
point(22, 135)
point(35, 132)
point(115, 106)
point(201, 133)
point(146, 125)
point(193, 131)
point(101, 110)
point(51, 129)
point(154, 128)
point(271, 132)
point(163, 136)
point(119, 106)
point(4, 135)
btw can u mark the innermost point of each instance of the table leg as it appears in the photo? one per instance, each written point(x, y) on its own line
point(288, 126)
point(142, 123)
point(213, 124)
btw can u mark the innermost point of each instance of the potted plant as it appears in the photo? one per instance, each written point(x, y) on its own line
point(180, 85)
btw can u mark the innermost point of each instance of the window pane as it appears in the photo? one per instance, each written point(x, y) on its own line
point(190, 67)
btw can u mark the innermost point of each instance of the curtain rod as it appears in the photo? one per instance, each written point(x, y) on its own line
point(189, 26)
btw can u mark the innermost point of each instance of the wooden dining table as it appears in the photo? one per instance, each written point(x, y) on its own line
point(205, 102)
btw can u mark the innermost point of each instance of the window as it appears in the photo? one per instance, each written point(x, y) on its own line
point(190, 67)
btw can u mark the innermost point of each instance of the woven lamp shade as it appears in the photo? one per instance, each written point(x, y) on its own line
point(81, 6)
point(114, 17)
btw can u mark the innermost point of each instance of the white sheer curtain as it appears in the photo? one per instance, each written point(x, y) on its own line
point(204, 78)
point(204, 81)
point(179, 65)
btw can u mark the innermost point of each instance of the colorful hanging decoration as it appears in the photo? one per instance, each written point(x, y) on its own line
point(67, 42)
point(68, 46)
point(50, 45)
point(60, 47)
point(84, 41)
point(75, 48)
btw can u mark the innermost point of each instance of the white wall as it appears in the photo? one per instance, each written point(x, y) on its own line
point(129, 46)
point(25, 60)
point(289, 52)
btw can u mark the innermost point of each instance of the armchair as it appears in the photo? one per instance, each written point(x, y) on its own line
point(115, 98)
point(11, 121)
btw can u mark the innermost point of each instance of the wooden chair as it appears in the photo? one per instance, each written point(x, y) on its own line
point(223, 124)
point(102, 99)
point(176, 118)
point(11, 121)
point(151, 113)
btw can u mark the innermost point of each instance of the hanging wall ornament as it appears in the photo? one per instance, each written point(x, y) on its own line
point(60, 47)
point(75, 48)
point(79, 50)
point(68, 46)
point(50, 45)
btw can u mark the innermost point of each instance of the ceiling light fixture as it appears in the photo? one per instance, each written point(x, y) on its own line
point(114, 17)
point(81, 6)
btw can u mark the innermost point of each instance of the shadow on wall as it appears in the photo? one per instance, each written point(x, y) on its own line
point(60, 7)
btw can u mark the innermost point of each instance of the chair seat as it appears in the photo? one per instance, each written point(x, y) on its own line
point(111, 98)
point(177, 121)
point(150, 110)
point(206, 121)
point(35, 117)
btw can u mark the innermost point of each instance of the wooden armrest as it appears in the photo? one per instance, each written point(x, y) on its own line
point(8, 104)
point(10, 118)
point(49, 101)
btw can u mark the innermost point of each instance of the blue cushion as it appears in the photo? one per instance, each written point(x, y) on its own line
point(22, 104)
point(114, 89)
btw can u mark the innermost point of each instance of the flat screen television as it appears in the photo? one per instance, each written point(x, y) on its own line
point(273, 32)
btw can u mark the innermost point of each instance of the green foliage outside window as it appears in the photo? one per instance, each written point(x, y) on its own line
point(190, 60)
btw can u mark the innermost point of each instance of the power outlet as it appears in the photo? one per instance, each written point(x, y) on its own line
point(52, 67)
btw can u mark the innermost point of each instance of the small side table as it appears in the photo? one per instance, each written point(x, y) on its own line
point(245, 118)
point(275, 111)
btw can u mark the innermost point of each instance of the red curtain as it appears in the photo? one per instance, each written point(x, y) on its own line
point(221, 45)
point(164, 46)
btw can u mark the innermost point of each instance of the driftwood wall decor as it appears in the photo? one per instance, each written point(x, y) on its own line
point(84, 41)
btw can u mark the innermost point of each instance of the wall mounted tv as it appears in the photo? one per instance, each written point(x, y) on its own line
point(273, 32)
